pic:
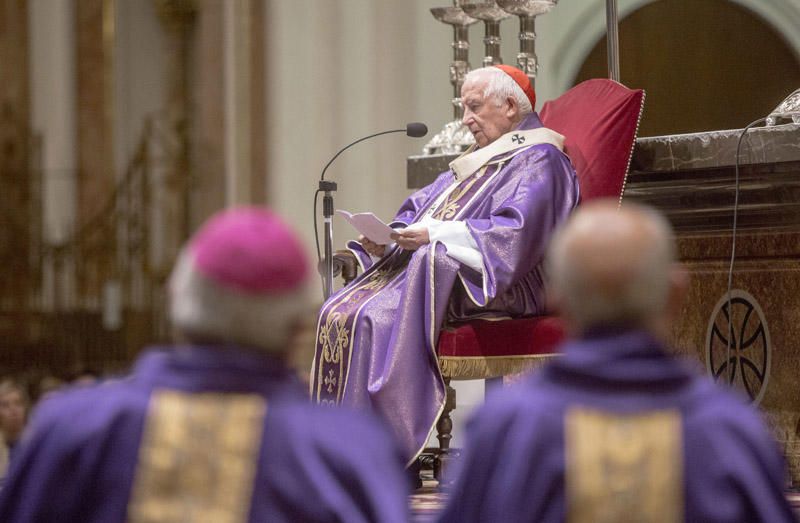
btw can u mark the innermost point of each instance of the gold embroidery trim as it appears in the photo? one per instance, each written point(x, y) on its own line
point(198, 458)
point(450, 207)
point(624, 467)
point(334, 335)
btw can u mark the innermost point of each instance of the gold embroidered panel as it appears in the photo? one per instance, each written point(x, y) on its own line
point(451, 206)
point(335, 331)
point(198, 458)
point(624, 467)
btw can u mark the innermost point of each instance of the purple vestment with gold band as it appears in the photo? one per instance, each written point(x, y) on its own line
point(618, 429)
point(203, 433)
point(376, 338)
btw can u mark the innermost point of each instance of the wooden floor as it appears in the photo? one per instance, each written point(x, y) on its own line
point(794, 500)
point(426, 502)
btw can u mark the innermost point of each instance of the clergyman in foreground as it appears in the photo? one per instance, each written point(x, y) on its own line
point(618, 429)
point(216, 428)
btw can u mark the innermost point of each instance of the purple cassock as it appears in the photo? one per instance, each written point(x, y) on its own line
point(376, 338)
point(203, 434)
point(618, 430)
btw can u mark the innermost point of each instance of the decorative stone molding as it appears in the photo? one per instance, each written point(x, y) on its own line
point(740, 357)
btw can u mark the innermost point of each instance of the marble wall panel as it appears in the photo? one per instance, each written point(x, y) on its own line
point(767, 275)
point(716, 148)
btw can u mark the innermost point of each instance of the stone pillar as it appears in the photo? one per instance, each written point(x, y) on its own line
point(237, 38)
point(228, 132)
point(258, 101)
point(173, 178)
point(15, 191)
point(208, 124)
point(95, 262)
point(53, 118)
point(95, 69)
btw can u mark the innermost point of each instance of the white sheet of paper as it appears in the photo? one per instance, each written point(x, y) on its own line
point(369, 225)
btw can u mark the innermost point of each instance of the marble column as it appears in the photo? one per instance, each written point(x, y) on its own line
point(54, 119)
point(207, 126)
point(228, 133)
point(95, 33)
point(237, 38)
point(95, 62)
point(15, 193)
point(172, 177)
point(258, 102)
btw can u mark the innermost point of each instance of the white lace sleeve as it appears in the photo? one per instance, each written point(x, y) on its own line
point(455, 236)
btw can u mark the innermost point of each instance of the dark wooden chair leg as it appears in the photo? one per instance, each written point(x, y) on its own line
point(444, 432)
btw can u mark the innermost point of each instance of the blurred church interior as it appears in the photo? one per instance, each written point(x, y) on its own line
point(125, 123)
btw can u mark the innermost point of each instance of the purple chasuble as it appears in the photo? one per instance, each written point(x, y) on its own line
point(216, 433)
point(376, 338)
point(521, 462)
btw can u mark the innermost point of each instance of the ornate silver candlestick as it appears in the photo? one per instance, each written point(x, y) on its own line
point(491, 16)
point(527, 11)
point(454, 138)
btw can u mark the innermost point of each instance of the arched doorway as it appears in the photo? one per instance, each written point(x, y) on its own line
point(705, 64)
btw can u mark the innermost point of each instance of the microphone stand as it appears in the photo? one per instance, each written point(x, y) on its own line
point(326, 187)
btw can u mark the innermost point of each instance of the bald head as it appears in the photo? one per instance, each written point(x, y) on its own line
point(611, 266)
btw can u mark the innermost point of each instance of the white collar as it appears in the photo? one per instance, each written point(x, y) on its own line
point(473, 159)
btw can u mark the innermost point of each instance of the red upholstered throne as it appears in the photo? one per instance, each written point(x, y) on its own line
point(599, 119)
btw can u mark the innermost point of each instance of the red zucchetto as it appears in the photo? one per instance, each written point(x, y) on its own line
point(522, 80)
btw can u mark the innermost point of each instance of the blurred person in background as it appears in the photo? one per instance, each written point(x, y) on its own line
point(13, 416)
point(217, 427)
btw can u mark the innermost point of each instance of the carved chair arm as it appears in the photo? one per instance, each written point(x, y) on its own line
point(345, 262)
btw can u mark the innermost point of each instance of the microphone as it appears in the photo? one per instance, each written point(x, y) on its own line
point(414, 130)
